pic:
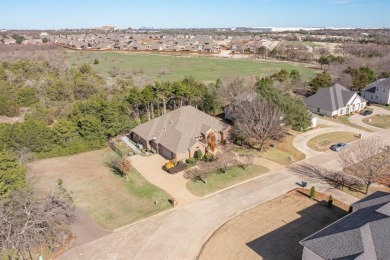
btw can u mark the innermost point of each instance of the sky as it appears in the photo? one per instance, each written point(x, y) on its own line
point(60, 14)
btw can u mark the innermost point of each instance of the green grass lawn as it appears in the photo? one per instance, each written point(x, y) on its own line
point(173, 68)
point(218, 181)
point(283, 153)
point(323, 142)
point(378, 121)
point(344, 120)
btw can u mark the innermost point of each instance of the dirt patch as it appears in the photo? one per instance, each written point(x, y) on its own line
point(273, 230)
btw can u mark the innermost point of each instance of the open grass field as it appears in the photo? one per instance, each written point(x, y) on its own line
point(378, 121)
point(173, 68)
point(273, 229)
point(218, 181)
point(108, 199)
point(283, 153)
point(323, 142)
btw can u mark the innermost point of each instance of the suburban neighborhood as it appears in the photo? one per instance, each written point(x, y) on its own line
point(194, 130)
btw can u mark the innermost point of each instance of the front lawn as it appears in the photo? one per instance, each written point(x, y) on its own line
point(218, 181)
point(344, 120)
point(323, 142)
point(283, 151)
point(378, 121)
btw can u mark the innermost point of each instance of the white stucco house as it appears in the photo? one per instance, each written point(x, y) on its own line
point(378, 92)
point(335, 101)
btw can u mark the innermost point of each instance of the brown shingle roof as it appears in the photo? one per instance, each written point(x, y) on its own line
point(177, 130)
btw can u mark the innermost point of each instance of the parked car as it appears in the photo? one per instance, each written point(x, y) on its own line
point(338, 147)
point(367, 112)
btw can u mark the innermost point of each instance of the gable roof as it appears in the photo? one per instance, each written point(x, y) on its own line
point(331, 98)
point(177, 130)
point(379, 83)
point(364, 233)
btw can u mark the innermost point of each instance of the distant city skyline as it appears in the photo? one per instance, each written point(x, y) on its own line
point(61, 14)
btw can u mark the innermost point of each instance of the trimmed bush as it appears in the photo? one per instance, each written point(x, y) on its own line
point(198, 154)
point(95, 61)
point(313, 192)
point(169, 165)
point(330, 201)
point(174, 162)
point(191, 160)
point(207, 157)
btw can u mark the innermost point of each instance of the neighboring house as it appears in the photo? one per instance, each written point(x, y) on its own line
point(335, 101)
point(378, 92)
point(362, 234)
point(179, 133)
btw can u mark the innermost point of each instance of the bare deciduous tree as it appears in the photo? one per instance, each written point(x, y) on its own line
point(200, 171)
point(225, 159)
point(368, 160)
point(29, 222)
point(245, 160)
point(259, 120)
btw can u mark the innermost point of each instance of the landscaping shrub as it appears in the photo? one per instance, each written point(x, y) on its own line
point(198, 154)
point(191, 160)
point(239, 142)
point(178, 168)
point(313, 192)
point(169, 165)
point(95, 61)
point(207, 157)
point(174, 162)
point(330, 201)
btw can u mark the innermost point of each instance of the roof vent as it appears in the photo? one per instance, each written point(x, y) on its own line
point(171, 122)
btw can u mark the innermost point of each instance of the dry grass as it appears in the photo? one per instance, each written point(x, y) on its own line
point(344, 120)
point(108, 199)
point(273, 229)
point(283, 153)
point(378, 121)
point(323, 142)
point(361, 193)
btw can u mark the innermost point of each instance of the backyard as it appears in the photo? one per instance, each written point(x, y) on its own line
point(108, 199)
point(218, 180)
point(273, 229)
point(323, 142)
point(378, 121)
point(172, 68)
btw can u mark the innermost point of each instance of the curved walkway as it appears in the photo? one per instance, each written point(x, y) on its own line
point(300, 141)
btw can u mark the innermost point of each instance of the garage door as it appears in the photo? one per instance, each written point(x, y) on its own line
point(165, 152)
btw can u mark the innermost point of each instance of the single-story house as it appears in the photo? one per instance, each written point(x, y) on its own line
point(181, 132)
point(335, 101)
point(378, 92)
point(362, 234)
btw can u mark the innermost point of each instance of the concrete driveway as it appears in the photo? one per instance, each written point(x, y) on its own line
point(357, 118)
point(300, 141)
point(175, 184)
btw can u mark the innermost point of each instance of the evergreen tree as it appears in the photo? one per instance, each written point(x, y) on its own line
point(12, 175)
